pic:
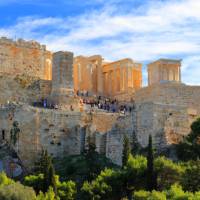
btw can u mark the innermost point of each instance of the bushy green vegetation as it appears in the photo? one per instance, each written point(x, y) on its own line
point(79, 168)
point(174, 193)
point(189, 148)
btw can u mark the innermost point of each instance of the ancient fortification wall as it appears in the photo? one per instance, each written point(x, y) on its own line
point(166, 111)
point(22, 88)
point(25, 58)
point(63, 132)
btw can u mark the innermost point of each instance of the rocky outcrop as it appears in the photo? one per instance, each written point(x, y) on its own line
point(64, 132)
point(166, 111)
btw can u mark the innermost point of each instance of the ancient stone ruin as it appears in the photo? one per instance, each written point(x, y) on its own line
point(47, 93)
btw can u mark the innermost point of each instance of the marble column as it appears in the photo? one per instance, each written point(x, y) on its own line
point(121, 79)
point(126, 78)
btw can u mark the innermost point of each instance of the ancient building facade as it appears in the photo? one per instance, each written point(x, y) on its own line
point(118, 79)
point(166, 108)
point(30, 60)
point(25, 58)
point(164, 70)
point(122, 78)
point(88, 74)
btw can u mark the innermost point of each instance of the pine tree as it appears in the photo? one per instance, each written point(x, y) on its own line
point(92, 162)
point(46, 168)
point(135, 145)
point(51, 181)
point(151, 175)
point(41, 163)
point(126, 151)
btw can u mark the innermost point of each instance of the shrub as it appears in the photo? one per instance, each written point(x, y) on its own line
point(16, 191)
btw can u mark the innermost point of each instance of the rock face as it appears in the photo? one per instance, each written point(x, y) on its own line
point(64, 132)
point(23, 88)
point(166, 111)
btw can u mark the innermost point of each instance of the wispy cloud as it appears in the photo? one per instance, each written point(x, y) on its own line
point(145, 32)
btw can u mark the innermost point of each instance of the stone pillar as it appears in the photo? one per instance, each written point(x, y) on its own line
point(62, 76)
point(179, 72)
point(99, 78)
point(126, 78)
point(160, 73)
point(110, 83)
point(121, 79)
point(114, 81)
point(48, 70)
point(174, 75)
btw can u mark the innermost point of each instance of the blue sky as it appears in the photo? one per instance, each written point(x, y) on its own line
point(144, 30)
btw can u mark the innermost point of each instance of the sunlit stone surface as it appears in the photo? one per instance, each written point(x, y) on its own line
point(29, 73)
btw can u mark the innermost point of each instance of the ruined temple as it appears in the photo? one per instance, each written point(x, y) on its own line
point(119, 79)
point(166, 107)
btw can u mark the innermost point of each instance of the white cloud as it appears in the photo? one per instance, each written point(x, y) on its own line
point(162, 29)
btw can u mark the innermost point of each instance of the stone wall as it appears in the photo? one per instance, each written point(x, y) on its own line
point(64, 132)
point(115, 137)
point(23, 88)
point(166, 111)
point(25, 58)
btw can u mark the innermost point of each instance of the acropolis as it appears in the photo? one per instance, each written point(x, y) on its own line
point(60, 100)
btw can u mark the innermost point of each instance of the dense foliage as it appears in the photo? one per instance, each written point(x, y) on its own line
point(189, 148)
point(174, 193)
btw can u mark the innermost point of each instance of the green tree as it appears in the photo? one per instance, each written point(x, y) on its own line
point(191, 177)
point(16, 191)
point(92, 160)
point(35, 181)
point(136, 148)
point(51, 181)
point(168, 172)
point(176, 193)
point(126, 151)
point(49, 174)
point(45, 167)
point(146, 195)
point(67, 190)
point(134, 174)
point(49, 195)
point(151, 175)
point(189, 148)
point(108, 185)
point(4, 180)
point(41, 163)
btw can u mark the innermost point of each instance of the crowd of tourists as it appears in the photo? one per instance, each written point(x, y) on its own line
point(108, 105)
point(91, 102)
point(44, 103)
point(105, 104)
point(8, 105)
